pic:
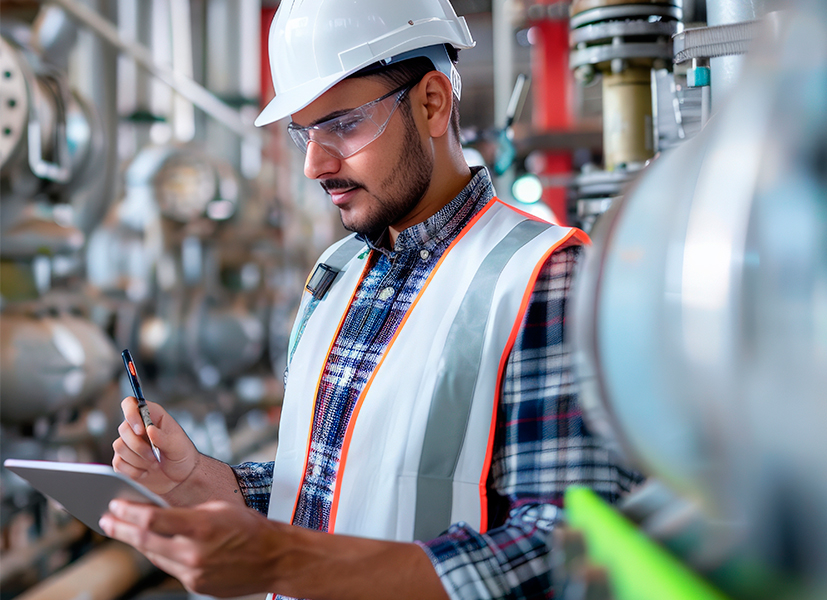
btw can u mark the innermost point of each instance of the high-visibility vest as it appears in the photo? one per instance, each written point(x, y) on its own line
point(418, 446)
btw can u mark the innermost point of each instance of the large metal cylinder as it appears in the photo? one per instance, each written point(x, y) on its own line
point(50, 363)
point(701, 321)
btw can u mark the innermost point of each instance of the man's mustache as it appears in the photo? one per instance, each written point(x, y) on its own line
point(339, 184)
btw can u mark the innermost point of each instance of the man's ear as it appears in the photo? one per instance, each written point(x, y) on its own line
point(438, 99)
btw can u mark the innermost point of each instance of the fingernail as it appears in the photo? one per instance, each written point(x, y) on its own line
point(104, 523)
point(137, 429)
point(114, 507)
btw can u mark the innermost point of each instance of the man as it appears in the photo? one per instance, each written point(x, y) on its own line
point(429, 415)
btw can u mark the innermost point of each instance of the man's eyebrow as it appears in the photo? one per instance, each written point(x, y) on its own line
point(328, 117)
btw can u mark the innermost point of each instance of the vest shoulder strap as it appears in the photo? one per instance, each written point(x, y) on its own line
point(320, 282)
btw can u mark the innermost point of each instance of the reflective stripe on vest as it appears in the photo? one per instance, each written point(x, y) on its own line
point(417, 447)
point(454, 389)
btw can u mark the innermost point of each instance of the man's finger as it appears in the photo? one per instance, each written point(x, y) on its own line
point(125, 468)
point(164, 522)
point(129, 406)
point(137, 444)
point(164, 551)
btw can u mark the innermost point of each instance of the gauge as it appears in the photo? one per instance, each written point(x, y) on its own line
point(184, 186)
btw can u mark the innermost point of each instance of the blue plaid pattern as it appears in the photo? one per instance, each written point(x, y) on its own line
point(541, 447)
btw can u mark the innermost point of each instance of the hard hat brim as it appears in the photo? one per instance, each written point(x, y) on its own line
point(291, 101)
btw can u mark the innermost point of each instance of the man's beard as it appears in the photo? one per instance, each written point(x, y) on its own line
point(400, 193)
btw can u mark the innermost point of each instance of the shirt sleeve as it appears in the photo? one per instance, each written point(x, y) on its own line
point(541, 447)
point(255, 480)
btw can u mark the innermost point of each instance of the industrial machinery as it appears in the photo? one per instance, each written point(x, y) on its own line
point(701, 321)
point(54, 356)
point(117, 232)
point(626, 47)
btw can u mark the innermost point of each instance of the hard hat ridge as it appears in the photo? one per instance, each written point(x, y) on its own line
point(314, 44)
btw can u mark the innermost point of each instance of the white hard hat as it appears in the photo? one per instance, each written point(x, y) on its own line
point(314, 44)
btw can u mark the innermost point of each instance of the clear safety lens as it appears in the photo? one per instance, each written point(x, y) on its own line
point(345, 135)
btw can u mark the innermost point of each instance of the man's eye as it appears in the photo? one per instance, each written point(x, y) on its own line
point(345, 126)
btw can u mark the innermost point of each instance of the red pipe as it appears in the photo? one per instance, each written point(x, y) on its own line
point(552, 92)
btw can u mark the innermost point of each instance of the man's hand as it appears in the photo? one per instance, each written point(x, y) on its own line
point(133, 454)
point(222, 549)
point(184, 477)
point(216, 548)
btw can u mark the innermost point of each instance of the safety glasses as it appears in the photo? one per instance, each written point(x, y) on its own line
point(345, 135)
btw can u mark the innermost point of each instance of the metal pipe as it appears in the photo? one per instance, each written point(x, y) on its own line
point(183, 114)
point(18, 560)
point(104, 94)
point(628, 139)
point(105, 573)
point(503, 35)
point(189, 89)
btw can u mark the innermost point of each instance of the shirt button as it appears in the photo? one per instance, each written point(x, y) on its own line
point(386, 293)
point(424, 254)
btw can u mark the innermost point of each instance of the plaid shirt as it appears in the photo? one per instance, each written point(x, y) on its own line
point(542, 445)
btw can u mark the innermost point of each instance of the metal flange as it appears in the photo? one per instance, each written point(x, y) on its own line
point(626, 11)
point(603, 32)
point(579, 6)
point(606, 53)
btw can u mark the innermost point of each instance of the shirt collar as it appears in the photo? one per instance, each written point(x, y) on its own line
point(446, 223)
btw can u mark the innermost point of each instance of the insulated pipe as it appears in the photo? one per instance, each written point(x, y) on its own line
point(92, 201)
point(105, 573)
point(232, 71)
point(504, 75)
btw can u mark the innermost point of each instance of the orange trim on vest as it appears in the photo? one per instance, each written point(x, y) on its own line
point(512, 338)
point(334, 508)
point(318, 385)
point(524, 213)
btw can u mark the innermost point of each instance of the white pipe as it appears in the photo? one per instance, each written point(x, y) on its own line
point(185, 86)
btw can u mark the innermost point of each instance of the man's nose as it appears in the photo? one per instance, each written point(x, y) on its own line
point(319, 162)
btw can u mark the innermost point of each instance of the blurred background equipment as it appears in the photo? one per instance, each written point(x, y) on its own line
point(136, 211)
point(623, 45)
point(139, 209)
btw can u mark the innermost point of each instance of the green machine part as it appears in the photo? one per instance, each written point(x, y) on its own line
point(638, 568)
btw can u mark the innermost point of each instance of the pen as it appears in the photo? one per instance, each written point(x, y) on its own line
point(132, 373)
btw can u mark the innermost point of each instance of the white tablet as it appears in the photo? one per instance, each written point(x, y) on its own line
point(82, 489)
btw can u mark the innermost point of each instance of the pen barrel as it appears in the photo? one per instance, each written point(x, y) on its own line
point(144, 410)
